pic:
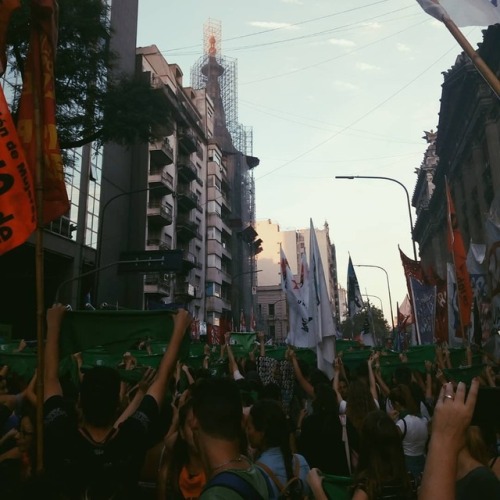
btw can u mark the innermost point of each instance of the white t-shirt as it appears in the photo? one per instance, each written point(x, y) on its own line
point(415, 434)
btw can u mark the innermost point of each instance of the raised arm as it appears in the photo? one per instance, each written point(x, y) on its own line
point(336, 375)
point(451, 419)
point(371, 376)
point(262, 345)
point(233, 366)
point(158, 388)
point(428, 381)
point(189, 377)
point(51, 384)
point(142, 388)
point(303, 382)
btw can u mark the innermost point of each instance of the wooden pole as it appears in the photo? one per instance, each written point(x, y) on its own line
point(39, 272)
point(481, 66)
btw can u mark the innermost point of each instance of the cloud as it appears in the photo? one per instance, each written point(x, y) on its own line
point(295, 2)
point(341, 42)
point(367, 67)
point(345, 85)
point(401, 47)
point(272, 25)
point(373, 25)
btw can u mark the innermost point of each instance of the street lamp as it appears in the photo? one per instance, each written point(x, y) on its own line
point(352, 177)
point(375, 297)
point(388, 288)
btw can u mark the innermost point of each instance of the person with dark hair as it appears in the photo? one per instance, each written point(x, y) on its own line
point(381, 472)
point(101, 456)
point(320, 437)
point(412, 427)
point(181, 474)
point(474, 478)
point(217, 425)
point(268, 433)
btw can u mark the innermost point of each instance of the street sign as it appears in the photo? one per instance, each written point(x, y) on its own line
point(151, 261)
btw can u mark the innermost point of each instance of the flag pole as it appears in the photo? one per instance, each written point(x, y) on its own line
point(481, 66)
point(39, 273)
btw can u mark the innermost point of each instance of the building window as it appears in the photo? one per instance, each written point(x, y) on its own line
point(271, 309)
point(272, 331)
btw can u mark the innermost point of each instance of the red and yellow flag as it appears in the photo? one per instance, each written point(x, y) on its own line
point(457, 249)
point(17, 200)
point(37, 108)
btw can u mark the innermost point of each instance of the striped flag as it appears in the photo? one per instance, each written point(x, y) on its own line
point(464, 12)
point(38, 98)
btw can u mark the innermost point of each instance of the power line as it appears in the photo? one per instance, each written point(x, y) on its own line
point(359, 131)
point(283, 27)
point(324, 61)
point(362, 117)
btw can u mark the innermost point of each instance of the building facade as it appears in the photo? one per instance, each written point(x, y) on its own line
point(465, 153)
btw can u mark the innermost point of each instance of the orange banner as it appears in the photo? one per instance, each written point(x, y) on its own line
point(38, 96)
point(17, 199)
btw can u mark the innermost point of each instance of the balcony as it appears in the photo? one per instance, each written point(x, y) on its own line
point(187, 170)
point(226, 250)
point(226, 276)
point(157, 284)
point(161, 182)
point(161, 153)
point(214, 220)
point(187, 141)
point(160, 213)
point(185, 292)
point(225, 200)
point(186, 229)
point(186, 199)
point(158, 244)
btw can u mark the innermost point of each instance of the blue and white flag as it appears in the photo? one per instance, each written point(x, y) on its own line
point(464, 12)
point(320, 308)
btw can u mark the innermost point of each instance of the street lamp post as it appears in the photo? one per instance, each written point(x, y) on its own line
point(352, 177)
point(388, 288)
point(375, 297)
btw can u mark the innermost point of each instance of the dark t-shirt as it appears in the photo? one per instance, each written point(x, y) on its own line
point(75, 464)
point(480, 483)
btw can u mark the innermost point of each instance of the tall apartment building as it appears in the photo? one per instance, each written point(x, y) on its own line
point(272, 316)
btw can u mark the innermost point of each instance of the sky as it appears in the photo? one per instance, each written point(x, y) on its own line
point(344, 87)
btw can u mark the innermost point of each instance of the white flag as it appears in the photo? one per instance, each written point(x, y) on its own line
point(320, 308)
point(299, 334)
point(464, 12)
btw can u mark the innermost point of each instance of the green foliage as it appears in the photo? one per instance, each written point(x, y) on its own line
point(355, 325)
point(90, 107)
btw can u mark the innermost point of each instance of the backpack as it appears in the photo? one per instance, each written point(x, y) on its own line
point(232, 481)
point(294, 488)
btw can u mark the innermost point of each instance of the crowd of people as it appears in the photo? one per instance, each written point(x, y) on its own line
point(266, 428)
